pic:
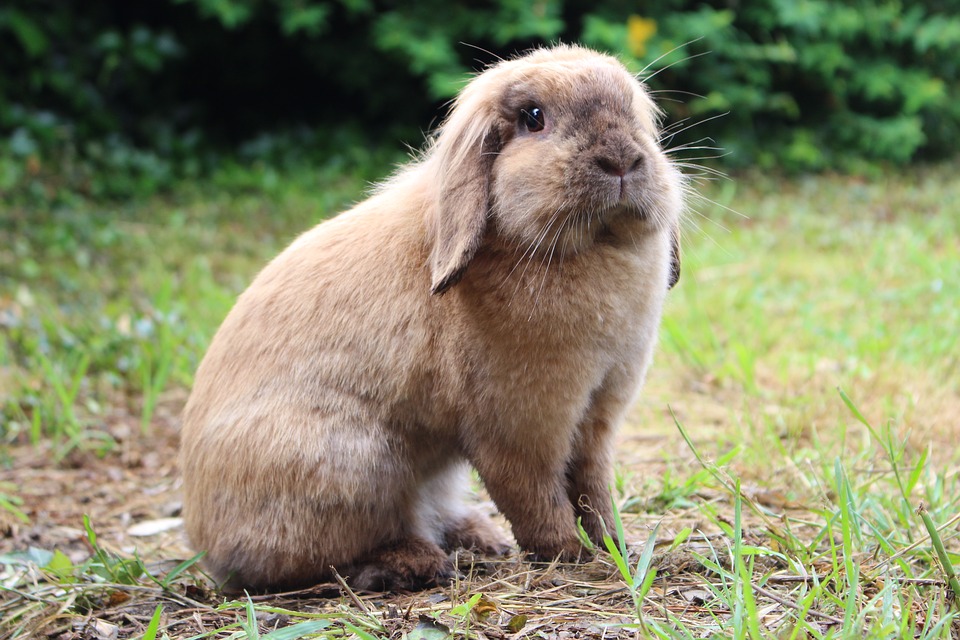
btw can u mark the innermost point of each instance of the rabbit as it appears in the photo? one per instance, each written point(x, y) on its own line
point(495, 305)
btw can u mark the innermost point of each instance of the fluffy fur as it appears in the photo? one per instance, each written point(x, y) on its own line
point(495, 304)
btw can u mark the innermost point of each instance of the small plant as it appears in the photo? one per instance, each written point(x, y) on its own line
point(108, 566)
point(325, 625)
point(103, 566)
point(895, 452)
point(640, 579)
point(81, 587)
point(673, 494)
point(11, 502)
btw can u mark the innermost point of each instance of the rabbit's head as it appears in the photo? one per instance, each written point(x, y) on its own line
point(551, 151)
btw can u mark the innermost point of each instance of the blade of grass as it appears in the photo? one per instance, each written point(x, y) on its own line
point(298, 630)
point(250, 626)
point(745, 609)
point(942, 556)
point(895, 454)
point(154, 626)
point(180, 568)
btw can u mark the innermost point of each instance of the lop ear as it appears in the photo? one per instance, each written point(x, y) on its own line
point(464, 153)
point(674, 257)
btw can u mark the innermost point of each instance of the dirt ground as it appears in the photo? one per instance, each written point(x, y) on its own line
point(132, 498)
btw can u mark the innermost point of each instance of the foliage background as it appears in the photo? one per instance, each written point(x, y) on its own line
point(117, 98)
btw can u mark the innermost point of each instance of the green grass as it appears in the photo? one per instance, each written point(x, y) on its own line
point(114, 303)
point(804, 405)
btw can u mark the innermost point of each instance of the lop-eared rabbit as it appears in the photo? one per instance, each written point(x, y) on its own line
point(494, 304)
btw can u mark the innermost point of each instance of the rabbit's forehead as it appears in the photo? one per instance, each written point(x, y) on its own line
point(582, 90)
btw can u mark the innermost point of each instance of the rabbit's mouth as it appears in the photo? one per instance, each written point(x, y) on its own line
point(625, 209)
point(624, 197)
point(572, 230)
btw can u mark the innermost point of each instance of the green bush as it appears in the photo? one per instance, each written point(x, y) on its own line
point(116, 98)
point(807, 84)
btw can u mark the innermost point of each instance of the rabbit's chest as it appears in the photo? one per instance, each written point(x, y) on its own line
point(572, 320)
point(597, 301)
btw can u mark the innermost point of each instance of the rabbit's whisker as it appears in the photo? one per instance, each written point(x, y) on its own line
point(680, 91)
point(695, 124)
point(646, 79)
point(664, 55)
point(705, 170)
point(530, 251)
point(546, 268)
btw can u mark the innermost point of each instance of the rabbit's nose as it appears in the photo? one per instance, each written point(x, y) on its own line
point(619, 164)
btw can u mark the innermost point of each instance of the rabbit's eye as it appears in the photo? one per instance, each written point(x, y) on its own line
point(533, 119)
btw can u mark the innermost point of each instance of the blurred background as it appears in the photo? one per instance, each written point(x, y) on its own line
point(121, 98)
point(155, 155)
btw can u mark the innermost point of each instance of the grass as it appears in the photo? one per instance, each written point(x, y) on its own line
point(789, 472)
point(114, 304)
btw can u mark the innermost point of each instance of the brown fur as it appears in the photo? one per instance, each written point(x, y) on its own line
point(496, 303)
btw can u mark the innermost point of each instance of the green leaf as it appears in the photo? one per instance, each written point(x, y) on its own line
point(154, 627)
point(27, 31)
point(463, 609)
point(91, 534)
point(309, 19)
point(853, 408)
point(299, 630)
point(363, 634)
point(11, 504)
point(180, 568)
point(250, 626)
point(917, 471)
point(680, 538)
point(643, 577)
point(60, 564)
point(429, 629)
point(618, 558)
